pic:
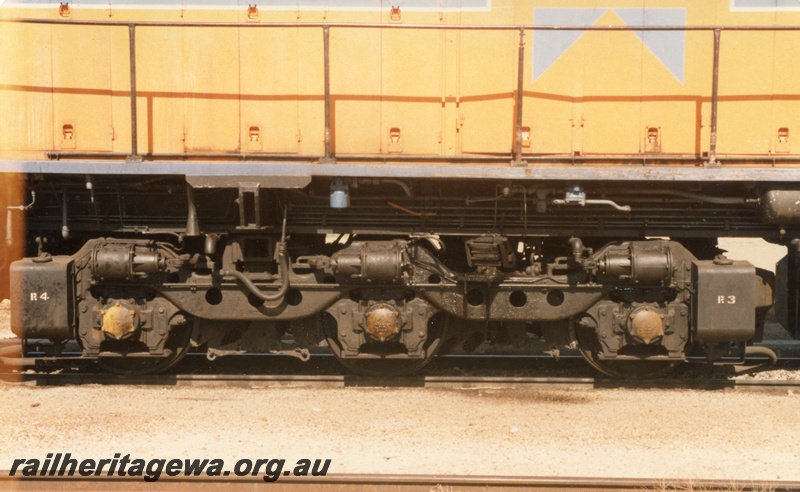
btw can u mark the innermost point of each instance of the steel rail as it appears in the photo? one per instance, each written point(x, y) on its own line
point(433, 382)
point(395, 482)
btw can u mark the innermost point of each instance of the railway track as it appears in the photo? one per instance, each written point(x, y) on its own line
point(445, 382)
point(324, 372)
point(400, 483)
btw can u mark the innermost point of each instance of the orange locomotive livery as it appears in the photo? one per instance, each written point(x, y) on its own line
point(398, 180)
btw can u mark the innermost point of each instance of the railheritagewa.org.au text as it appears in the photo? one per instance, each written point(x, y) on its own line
point(150, 470)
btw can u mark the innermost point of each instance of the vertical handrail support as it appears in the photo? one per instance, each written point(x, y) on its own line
point(326, 36)
point(518, 161)
point(712, 150)
point(134, 156)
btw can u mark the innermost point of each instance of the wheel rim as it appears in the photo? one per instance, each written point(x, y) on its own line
point(636, 369)
point(385, 366)
point(178, 344)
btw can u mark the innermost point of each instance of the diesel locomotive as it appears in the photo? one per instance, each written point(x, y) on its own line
point(398, 179)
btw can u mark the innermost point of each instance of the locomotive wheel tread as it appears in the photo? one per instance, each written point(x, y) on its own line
point(449, 382)
point(178, 343)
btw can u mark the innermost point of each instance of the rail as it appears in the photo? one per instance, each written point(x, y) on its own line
point(398, 483)
point(516, 157)
point(227, 380)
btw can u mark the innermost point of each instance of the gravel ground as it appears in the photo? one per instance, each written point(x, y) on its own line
point(668, 435)
point(626, 433)
point(5, 319)
point(757, 251)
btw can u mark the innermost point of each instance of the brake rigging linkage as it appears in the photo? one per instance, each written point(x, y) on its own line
point(283, 269)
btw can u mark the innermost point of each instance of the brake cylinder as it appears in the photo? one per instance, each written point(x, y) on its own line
point(642, 263)
point(376, 261)
point(126, 261)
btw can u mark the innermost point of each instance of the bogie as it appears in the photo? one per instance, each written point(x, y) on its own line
point(388, 304)
point(394, 183)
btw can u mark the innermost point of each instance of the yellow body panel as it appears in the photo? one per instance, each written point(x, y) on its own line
point(356, 104)
point(485, 103)
point(82, 88)
point(786, 96)
point(211, 104)
point(26, 95)
point(269, 122)
point(160, 109)
point(396, 92)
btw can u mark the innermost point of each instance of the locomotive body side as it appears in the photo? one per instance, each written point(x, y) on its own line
point(422, 92)
point(361, 175)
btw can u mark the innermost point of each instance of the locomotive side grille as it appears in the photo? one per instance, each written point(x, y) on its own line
point(453, 218)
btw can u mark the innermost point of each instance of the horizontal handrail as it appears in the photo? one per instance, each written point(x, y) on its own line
point(459, 27)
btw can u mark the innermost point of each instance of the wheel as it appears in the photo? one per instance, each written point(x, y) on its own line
point(178, 344)
point(629, 369)
point(623, 369)
point(386, 366)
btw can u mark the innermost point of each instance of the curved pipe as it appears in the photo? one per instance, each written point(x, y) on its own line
point(753, 350)
point(394, 181)
point(401, 184)
point(577, 248)
point(766, 351)
point(589, 201)
point(283, 267)
point(9, 226)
